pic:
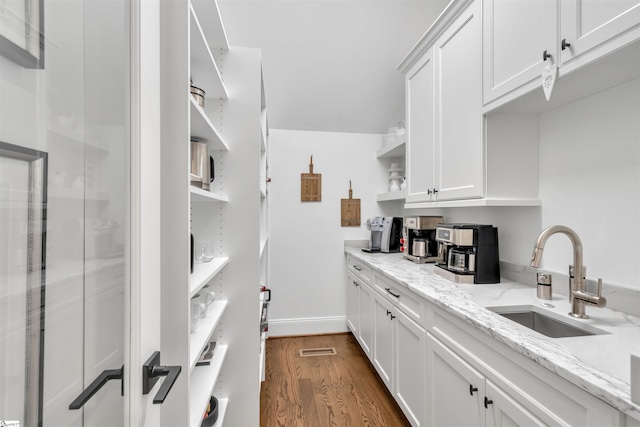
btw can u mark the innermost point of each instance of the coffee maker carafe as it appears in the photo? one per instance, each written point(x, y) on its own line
point(468, 253)
point(418, 242)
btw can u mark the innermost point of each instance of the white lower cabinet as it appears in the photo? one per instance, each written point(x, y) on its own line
point(442, 372)
point(382, 356)
point(359, 305)
point(399, 352)
point(455, 390)
point(459, 395)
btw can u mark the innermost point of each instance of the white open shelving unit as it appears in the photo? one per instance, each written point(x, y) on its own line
point(393, 150)
point(230, 215)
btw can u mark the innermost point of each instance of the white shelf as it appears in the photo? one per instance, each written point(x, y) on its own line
point(206, 326)
point(395, 148)
point(200, 195)
point(214, 32)
point(203, 130)
point(391, 196)
point(204, 71)
point(203, 379)
point(203, 272)
point(473, 203)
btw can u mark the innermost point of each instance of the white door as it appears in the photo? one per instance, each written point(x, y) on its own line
point(596, 26)
point(459, 148)
point(515, 36)
point(81, 233)
point(421, 104)
point(455, 391)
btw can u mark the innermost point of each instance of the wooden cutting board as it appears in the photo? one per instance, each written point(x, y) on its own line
point(311, 185)
point(350, 210)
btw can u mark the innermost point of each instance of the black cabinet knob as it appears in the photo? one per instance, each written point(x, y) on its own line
point(472, 389)
point(565, 44)
point(545, 55)
point(487, 402)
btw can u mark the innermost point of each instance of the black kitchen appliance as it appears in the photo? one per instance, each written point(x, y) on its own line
point(468, 253)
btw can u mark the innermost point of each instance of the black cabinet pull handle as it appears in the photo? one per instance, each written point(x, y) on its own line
point(565, 44)
point(545, 55)
point(389, 290)
point(472, 389)
point(428, 191)
point(393, 317)
point(388, 312)
point(151, 373)
point(435, 191)
point(356, 283)
point(268, 298)
point(102, 379)
point(357, 268)
point(487, 402)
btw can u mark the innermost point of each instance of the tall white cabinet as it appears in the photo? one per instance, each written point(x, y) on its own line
point(230, 215)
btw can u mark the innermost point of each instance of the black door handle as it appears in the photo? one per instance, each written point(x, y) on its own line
point(269, 297)
point(151, 373)
point(102, 379)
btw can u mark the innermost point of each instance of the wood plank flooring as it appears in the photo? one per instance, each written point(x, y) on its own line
point(324, 391)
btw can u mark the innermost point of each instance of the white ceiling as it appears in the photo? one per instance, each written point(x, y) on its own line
point(330, 65)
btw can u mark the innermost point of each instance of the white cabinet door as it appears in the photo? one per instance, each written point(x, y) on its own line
point(383, 340)
point(411, 370)
point(515, 35)
point(353, 304)
point(365, 331)
point(459, 120)
point(420, 94)
point(504, 411)
point(596, 26)
point(455, 390)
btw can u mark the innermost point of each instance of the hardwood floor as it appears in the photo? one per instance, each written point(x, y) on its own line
point(324, 391)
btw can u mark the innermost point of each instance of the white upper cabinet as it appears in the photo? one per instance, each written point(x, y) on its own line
point(516, 34)
point(593, 28)
point(444, 110)
point(460, 145)
point(420, 98)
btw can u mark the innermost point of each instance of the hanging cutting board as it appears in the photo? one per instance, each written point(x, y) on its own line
point(311, 185)
point(350, 210)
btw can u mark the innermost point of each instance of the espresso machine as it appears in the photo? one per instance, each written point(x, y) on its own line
point(468, 253)
point(418, 242)
point(385, 234)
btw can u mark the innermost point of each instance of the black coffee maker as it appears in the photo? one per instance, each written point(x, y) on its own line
point(468, 253)
point(385, 234)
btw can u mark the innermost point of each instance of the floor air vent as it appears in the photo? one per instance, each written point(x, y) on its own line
point(329, 351)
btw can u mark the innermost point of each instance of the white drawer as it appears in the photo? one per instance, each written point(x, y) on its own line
point(359, 268)
point(400, 296)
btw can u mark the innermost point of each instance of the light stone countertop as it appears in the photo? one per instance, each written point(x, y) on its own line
point(598, 364)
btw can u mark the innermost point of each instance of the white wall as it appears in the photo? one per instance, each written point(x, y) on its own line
point(306, 239)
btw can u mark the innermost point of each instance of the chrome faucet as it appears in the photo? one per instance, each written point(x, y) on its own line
point(578, 296)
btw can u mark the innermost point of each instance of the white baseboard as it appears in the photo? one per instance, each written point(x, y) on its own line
point(307, 326)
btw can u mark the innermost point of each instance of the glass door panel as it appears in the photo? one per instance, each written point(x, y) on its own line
point(69, 105)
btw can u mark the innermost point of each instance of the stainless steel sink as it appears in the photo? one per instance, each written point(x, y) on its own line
point(546, 322)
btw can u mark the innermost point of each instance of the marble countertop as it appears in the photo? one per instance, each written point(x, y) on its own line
point(598, 364)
